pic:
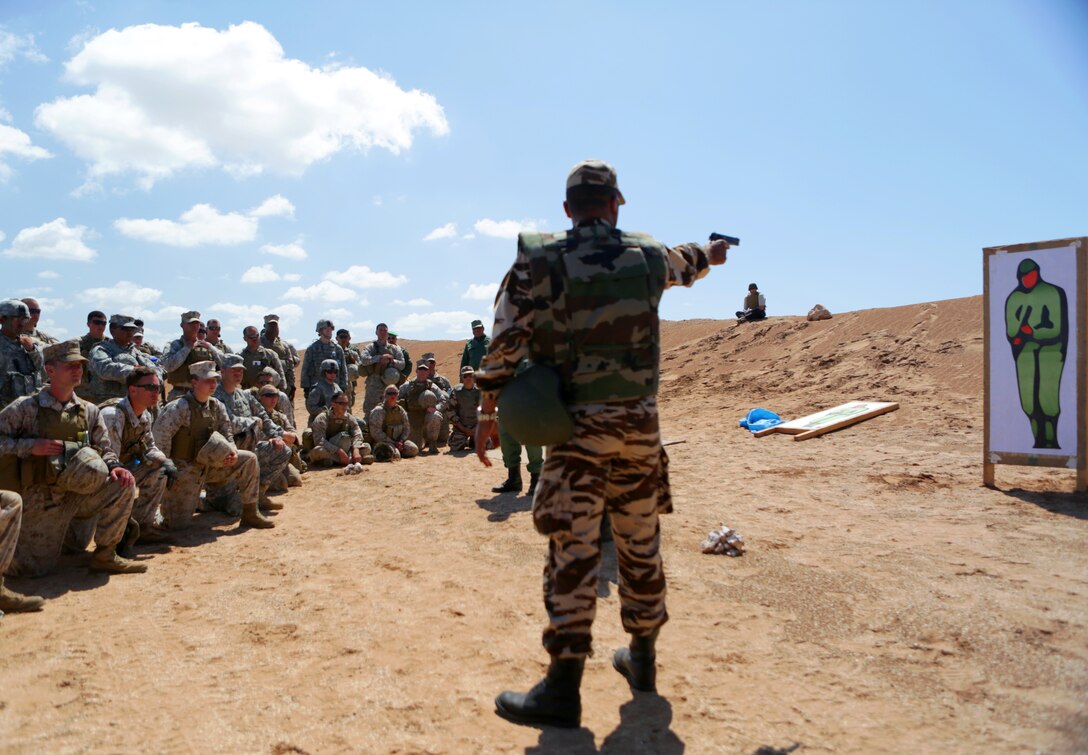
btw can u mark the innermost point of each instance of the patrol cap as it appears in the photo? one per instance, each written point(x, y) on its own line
point(392, 333)
point(268, 371)
point(428, 357)
point(271, 318)
point(467, 370)
point(269, 390)
point(203, 370)
point(330, 364)
point(14, 308)
point(65, 351)
point(123, 321)
point(477, 324)
point(232, 360)
point(422, 365)
point(594, 173)
point(191, 316)
point(324, 324)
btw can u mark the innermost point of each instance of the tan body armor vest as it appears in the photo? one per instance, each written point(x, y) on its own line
point(202, 423)
point(335, 426)
point(751, 301)
point(69, 425)
point(181, 376)
point(134, 443)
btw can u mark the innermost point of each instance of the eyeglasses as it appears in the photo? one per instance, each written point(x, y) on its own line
point(34, 311)
point(214, 327)
point(149, 387)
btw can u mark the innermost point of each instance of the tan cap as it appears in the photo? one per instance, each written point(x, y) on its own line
point(429, 357)
point(271, 318)
point(203, 370)
point(467, 370)
point(192, 316)
point(65, 351)
point(594, 173)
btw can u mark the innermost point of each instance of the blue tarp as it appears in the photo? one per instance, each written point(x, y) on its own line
point(760, 419)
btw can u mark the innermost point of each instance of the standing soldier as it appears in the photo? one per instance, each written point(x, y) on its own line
point(32, 327)
point(352, 357)
point(475, 347)
point(138, 339)
point(11, 517)
point(195, 432)
point(185, 352)
point(406, 370)
point(20, 358)
point(599, 332)
point(215, 331)
point(96, 334)
point(113, 360)
point(256, 358)
point(58, 445)
point(378, 358)
point(388, 426)
point(317, 352)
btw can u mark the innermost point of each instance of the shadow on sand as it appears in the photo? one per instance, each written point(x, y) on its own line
point(502, 505)
point(643, 728)
point(1067, 504)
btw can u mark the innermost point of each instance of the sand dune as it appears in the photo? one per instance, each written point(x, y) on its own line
point(887, 602)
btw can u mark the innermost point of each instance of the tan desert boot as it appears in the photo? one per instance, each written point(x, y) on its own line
point(253, 517)
point(105, 559)
point(13, 602)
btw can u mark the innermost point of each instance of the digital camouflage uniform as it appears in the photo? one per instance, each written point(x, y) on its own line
point(292, 473)
point(180, 501)
point(253, 431)
point(444, 427)
point(556, 290)
point(86, 343)
point(255, 360)
point(353, 357)
point(47, 510)
point(316, 353)
point(20, 370)
point(320, 398)
point(331, 435)
point(110, 365)
point(462, 406)
point(387, 428)
point(370, 365)
point(424, 426)
point(288, 359)
point(175, 363)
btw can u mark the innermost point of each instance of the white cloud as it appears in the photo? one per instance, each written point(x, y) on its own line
point(361, 276)
point(361, 327)
point(123, 296)
point(412, 303)
point(435, 323)
point(273, 206)
point(238, 316)
point(481, 291)
point(43, 273)
point(17, 143)
point(292, 251)
point(339, 313)
point(55, 240)
point(202, 224)
point(469, 236)
point(2, 236)
point(168, 98)
point(505, 229)
point(260, 274)
point(324, 291)
point(292, 277)
point(51, 327)
point(447, 231)
point(12, 46)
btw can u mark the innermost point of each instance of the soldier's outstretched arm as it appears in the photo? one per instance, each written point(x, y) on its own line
point(688, 263)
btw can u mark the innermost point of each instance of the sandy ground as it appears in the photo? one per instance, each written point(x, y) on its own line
point(887, 602)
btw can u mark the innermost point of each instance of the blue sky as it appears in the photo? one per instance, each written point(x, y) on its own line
point(372, 161)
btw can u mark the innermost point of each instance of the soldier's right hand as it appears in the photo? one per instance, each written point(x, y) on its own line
point(27, 343)
point(342, 456)
point(43, 447)
point(716, 251)
point(169, 470)
point(231, 460)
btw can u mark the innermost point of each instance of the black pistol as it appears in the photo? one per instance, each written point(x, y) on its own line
point(733, 240)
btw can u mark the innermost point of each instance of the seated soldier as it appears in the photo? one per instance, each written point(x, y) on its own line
point(253, 429)
point(338, 437)
point(269, 396)
point(321, 394)
point(388, 425)
point(195, 432)
point(284, 405)
point(461, 410)
point(11, 517)
point(755, 306)
point(424, 402)
point(55, 451)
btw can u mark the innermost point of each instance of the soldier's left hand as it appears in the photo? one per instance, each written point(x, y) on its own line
point(231, 460)
point(122, 477)
point(278, 444)
point(484, 429)
point(716, 251)
point(27, 343)
point(290, 438)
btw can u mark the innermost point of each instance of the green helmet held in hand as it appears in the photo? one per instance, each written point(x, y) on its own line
point(531, 408)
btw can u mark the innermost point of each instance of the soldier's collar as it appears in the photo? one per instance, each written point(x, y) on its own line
point(593, 222)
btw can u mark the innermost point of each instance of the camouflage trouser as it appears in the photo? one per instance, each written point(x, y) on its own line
point(322, 455)
point(372, 394)
point(181, 499)
point(458, 440)
point(272, 461)
point(424, 428)
point(150, 485)
point(11, 515)
point(47, 515)
point(615, 459)
point(410, 450)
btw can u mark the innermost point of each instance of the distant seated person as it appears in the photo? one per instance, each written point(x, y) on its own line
point(755, 306)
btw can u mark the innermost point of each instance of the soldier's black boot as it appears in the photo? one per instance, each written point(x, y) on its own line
point(513, 481)
point(638, 664)
point(534, 478)
point(556, 700)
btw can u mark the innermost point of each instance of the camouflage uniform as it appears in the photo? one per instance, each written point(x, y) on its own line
point(292, 473)
point(425, 427)
point(388, 427)
point(175, 363)
point(316, 353)
point(110, 364)
point(370, 365)
point(44, 338)
point(462, 406)
point(254, 361)
point(253, 430)
point(320, 398)
point(353, 357)
point(180, 501)
point(20, 370)
point(556, 290)
point(288, 359)
point(86, 343)
point(331, 435)
point(223, 346)
point(11, 516)
point(444, 427)
point(47, 510)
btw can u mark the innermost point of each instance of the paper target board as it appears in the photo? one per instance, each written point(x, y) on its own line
point(828, 420)
point(1036, 344)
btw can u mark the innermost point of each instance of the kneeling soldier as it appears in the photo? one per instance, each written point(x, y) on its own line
point(55, 451)
point(195, 432)
point(11, 516)
point(388, 427)
point(461, 410)
point(337, 437)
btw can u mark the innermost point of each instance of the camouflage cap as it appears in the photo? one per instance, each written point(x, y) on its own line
point(269, 390)
point(271, 318)
point(467, 370)
point(477, 324)
point(428, 357)
point(203, 370)
point(191, 316)
point(14, 308)
point(123, 321)
point(65, 351)
point(330, 364)
point(594, 173)
point(233, 360)
point(271, 371)
point(324, 324)
point(422, 365)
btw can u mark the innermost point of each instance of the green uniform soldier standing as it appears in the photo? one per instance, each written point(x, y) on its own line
point(584, 302)
point(475, 347)
point(1037, 326)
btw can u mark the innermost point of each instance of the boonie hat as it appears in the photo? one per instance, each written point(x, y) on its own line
point(188, 317)
point(65, 351)
point(123, 321)
point(204, 370)
point(594, 173)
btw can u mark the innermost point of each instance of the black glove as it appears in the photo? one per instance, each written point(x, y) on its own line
point(169, 470)
point(305, 393)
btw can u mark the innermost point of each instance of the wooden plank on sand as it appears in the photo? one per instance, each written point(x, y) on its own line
point(832, 419)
